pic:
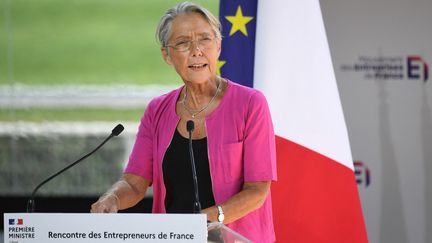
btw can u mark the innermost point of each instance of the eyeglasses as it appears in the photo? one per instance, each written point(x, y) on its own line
point(185, 45)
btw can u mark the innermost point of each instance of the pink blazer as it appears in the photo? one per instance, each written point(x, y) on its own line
point(241, 148)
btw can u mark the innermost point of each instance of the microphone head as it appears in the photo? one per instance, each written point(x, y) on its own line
point(190, 125)
point(117, 130)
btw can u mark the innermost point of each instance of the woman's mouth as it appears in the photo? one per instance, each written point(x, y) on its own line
point(197, 67)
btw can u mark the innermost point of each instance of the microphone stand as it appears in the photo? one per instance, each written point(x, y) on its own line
point(31, 204)
point(197, 205)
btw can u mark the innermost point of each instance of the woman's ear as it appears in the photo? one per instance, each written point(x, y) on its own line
point(166, 55)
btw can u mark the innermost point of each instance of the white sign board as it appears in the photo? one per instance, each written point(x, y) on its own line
point(61, 227)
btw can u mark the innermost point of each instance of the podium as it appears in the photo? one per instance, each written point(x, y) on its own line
point(107, 228)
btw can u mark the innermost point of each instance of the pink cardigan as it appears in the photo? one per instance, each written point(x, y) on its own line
point(241, 148)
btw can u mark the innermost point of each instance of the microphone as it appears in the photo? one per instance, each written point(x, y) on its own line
point(197, 205)
point(31, 204)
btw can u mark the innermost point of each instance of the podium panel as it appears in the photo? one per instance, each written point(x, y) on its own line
point(107, 228)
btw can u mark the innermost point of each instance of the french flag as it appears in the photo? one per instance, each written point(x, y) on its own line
point(315, 198)
point(16, 221)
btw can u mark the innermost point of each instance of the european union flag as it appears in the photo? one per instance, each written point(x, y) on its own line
point(238, 19)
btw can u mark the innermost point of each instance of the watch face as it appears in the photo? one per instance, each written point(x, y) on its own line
point(221, 215)
point(221, 218)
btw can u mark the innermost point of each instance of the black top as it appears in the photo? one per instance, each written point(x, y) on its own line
point(177, 173)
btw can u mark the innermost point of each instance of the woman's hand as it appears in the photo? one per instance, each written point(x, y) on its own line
point(125, 193)
point(107, 203)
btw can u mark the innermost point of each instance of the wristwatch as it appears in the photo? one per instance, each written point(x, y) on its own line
point(221, 215)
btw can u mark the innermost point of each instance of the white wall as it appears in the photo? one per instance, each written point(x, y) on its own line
point(389, 119)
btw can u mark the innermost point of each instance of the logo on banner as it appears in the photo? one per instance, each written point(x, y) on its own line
point(16, 221)
point(411, 67)
point(362, 173)
point(417, 68)
point(18, 230)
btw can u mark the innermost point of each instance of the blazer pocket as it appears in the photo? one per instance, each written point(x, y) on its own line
point(232, 161)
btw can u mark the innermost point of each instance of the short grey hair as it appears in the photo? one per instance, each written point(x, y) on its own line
point(163, 31)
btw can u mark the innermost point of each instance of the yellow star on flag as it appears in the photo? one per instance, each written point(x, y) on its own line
point(238, 22)
point(220, 63)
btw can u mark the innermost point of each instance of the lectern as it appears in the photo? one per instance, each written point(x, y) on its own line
point(113, 228)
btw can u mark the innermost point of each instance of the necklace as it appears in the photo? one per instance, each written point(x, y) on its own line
point(193, 112)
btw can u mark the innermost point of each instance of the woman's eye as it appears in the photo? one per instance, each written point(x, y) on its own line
point(180, 43)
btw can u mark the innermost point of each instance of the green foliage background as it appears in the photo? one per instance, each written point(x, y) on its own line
point(57, 42)
point(82, 42)
point(71, 43)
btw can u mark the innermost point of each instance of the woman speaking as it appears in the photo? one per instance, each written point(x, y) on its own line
point(233, 137)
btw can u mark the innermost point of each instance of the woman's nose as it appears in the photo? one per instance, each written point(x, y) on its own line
point(195, 48)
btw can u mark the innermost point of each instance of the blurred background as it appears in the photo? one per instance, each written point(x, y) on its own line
point(72, 70)
point(69, 72)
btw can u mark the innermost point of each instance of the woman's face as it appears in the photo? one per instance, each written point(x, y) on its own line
point(193, 48)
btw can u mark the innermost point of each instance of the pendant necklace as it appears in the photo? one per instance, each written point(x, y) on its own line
point(193, 112)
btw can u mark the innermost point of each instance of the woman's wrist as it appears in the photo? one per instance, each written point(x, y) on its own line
point(212, 213)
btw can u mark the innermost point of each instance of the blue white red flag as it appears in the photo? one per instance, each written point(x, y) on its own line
point(280, 47)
